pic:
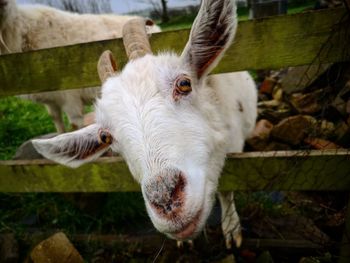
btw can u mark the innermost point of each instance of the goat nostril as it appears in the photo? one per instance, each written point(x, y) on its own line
point(166, 193)
point(178, 189)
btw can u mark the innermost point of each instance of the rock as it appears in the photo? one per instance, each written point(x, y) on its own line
point(263, 97)
point(277, 146)
point(259, 141)
point(256, 144)
point(273, 111)
point(307, 103)
point(262, 129)
point(56, 249)
point(274, 116)
point(269, 104)
point(342, 99)
point(325, 129)
point(342, 134)
point(27, 151)
point(297, 78)
point(9, 249)
point(340, 105)
point(293, 130)
point(277, 93)
point(260, 136)
point(321, 144)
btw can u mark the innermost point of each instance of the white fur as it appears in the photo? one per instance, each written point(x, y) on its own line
point(193, 135)
point(156, 133)
point(33, 27)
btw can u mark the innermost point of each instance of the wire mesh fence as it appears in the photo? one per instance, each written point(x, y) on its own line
point(301, 109)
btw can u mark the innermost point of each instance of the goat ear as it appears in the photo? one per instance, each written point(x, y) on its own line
point(75, 148)
point(212, 33)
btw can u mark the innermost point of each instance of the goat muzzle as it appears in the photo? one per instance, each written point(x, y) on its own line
point(135, 38)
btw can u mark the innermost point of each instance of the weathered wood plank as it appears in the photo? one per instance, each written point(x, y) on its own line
point(265, 43)
point(295, 170)
point(291, 170)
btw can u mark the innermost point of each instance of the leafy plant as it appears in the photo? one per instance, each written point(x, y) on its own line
point(21, 120)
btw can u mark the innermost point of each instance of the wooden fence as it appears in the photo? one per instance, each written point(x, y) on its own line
point(312, 37)
point(291, 40)
point(292, 170)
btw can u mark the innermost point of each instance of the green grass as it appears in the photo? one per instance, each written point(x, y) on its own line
point(49, 211)
point(180, 22)
point(185, 21)
point(300, 6)
point(21, 120)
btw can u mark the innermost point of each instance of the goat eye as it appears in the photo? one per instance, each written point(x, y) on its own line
point(105, 137)
point(182, 87)
point(185, 83)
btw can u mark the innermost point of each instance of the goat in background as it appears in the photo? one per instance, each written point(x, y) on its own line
point(32, 27)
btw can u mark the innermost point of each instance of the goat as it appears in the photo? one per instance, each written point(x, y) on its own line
point(32, 27)
point(172, 123)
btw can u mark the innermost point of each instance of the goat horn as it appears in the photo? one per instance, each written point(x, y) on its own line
point(106, 66)
point(135, 38)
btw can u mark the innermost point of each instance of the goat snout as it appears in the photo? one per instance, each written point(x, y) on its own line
point(166, 193)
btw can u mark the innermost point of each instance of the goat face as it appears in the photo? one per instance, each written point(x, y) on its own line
point(163, 118)
point(173, 143)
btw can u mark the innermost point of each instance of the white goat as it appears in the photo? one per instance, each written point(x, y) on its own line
point(32, 27)
point(172, 123)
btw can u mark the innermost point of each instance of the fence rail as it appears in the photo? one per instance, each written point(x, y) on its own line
point(292, 170)
point(264, 43)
